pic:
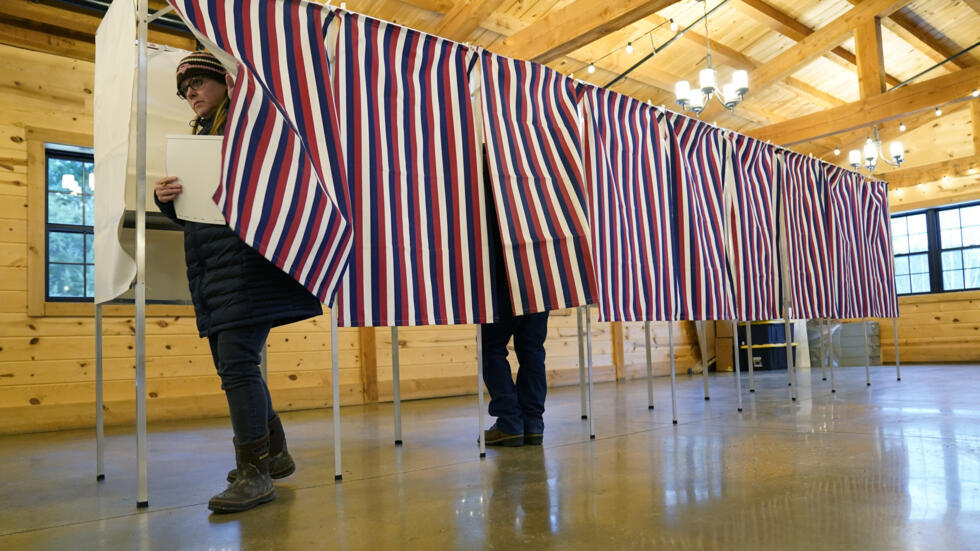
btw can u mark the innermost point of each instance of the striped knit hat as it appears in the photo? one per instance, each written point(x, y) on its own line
point(200, 64)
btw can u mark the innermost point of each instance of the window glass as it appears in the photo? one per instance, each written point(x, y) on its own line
point(952, 260)
point(920, 283)
point(70, 214)
point(952, 280)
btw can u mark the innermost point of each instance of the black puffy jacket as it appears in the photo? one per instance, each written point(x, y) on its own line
point(232, 285)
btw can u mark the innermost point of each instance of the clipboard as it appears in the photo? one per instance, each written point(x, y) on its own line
point(196, 161)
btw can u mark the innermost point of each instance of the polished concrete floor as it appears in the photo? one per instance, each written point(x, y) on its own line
point(893, 466)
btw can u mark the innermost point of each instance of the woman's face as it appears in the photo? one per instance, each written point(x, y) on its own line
point(206, 98)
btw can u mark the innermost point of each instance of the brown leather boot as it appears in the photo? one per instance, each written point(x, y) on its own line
point(281, 463)
point(252, 485)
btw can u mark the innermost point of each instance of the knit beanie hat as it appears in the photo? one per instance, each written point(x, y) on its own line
point(200, 64)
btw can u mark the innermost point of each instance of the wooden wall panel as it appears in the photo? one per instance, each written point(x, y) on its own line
point(940, 328)
point(686, 351)
point(47, 364)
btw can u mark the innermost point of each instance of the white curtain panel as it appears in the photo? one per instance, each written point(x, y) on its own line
point(115, 59)
point(115, 114)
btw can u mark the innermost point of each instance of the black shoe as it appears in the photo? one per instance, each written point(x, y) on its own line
point(533, 439)
point(496, 437)
point(252, 485)
point(281, 463)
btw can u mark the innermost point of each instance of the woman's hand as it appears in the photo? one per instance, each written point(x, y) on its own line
point(167, 189)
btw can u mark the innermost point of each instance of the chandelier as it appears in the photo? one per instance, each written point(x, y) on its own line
point(696, 99)
point(873, 152)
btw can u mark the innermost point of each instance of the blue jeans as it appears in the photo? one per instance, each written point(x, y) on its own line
point(519, 408)
point(237, 353)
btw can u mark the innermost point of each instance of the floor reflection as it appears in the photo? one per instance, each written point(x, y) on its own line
point(896, 466)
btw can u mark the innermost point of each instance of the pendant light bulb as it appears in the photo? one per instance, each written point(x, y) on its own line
point(674, 26)
point(901, 127)
point(629, 47)
point(939, 112)
point(591, 68)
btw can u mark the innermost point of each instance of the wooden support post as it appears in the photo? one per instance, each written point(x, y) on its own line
point(619, 361)
point(870, 57)
point(369, 364)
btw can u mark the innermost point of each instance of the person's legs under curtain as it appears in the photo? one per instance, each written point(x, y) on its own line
point(237, 354)
point(532, 382)
point(497, 376)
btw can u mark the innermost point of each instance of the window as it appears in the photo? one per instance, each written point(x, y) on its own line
point(959, 240)
point(69, 215)
point(937, 250)
point(911, 245)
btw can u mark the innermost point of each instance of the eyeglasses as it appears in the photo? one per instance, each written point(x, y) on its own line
point(191, 84)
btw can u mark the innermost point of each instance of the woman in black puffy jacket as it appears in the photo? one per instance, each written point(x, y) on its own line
point(238, 297)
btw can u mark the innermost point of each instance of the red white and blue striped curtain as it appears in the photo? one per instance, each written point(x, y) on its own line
point(754, 252)
point(704, 281)
point(807, 210)
point(848, 244)
point(629, 173)
point(283, 183)
point(882, 301)
point(535, 162)
point(420, 252)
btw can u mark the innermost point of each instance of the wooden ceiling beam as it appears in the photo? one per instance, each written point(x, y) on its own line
point(78, 24)
point(821, 41)
point(953, 168)
point(575, 25)
point(975, 115)
point(791, 28)
point(817, 44)
point(870, 57)
point(854, 139)
point(464, 18)
point(891, 105)
point(729, 56)
point(975, 4)
point(910, 28)
point(14, 34)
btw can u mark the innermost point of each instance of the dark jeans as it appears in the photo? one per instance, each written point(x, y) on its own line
point(519, 408)
point(237, 353)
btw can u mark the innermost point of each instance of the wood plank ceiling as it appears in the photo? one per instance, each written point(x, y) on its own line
point(805, 70)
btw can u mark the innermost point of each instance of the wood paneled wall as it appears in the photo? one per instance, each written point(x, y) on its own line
point(939, 328)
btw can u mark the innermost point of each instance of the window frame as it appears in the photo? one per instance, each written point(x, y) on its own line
point(49, 227)
point(935, 250)
point(37, 239)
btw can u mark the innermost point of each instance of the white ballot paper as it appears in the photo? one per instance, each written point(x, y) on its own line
point(196, 161)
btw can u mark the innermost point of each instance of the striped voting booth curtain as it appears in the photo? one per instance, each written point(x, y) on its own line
point(705, 284)
point(806, 205)
point(753, 252)
point(283, 184)
point(882, 298)
point(534, 154)
point(848, 244)
point(629, 174)
point(420, 251)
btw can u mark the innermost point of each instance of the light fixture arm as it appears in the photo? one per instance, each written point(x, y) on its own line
point(873, 153)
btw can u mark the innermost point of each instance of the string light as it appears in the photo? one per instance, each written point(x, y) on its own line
point(629, 47)
point(591, 68)
point(836, 152)
point(939, 112)
point(975, 93)
point(901, 127)
point(674, 26)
